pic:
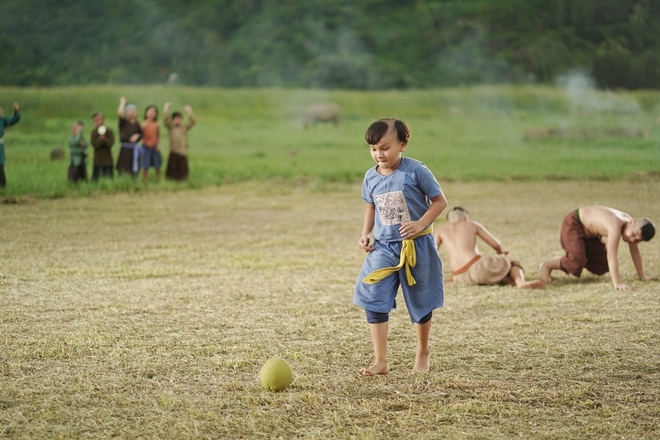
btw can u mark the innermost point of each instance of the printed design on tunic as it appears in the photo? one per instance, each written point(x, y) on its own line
point(392, 208)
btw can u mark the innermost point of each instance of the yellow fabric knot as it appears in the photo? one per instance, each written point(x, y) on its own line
point(408, 260)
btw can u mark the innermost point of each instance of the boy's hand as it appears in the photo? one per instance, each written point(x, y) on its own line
point(364, 244)
point(408, 229)
point(621, 286)
point(188, 109)
point(16, 106)
point(134, 138)
point(645, 278)
point(166, 107)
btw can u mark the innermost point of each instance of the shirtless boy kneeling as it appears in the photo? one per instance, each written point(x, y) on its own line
point(581, 237)
point(470, 267)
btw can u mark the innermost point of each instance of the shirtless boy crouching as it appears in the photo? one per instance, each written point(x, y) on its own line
point(581, 236)
point(470, 267)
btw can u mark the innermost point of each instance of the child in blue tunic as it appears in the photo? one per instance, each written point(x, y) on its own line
point(403, 200)
point(6, 122)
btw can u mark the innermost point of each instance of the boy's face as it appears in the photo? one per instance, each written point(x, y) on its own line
point(176, 120)
point(387, 152)
point(632, 233)
point(98, 120)
point(131, 114)
point(76, 128)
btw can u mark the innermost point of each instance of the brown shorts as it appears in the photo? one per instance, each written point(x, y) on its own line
point(582, 252)
point(487, 269)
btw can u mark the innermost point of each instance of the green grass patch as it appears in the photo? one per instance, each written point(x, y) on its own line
point(256, 134)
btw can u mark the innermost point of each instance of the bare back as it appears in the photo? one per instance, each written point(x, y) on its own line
point(599, 221)
point(460, 241)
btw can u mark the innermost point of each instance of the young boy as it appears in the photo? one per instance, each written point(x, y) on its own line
point(403, 199)
point(130, 134)
point(102, 140)
point(177, 163)
point(150, 151)
point(470, 267)
point(6, 122)
point(581, 237)
point(77, 146)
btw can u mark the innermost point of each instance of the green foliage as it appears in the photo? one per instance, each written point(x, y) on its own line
point(329, 44)
point(461, 134)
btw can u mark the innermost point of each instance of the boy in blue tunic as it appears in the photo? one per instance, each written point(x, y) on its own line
point(403, 200)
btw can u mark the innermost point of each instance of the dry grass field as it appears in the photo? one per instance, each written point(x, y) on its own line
point(149, 316)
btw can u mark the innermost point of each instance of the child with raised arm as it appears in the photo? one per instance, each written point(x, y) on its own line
point(77, 147)
point(581, 236)
point(470, 267)
point(130, 133)
point(177, 163)
point(6, 122)
point(403, 200)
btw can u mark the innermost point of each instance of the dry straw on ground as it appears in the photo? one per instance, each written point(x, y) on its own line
point(149, 316)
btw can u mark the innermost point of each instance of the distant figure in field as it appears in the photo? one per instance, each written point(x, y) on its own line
point(130, 134)
point(77, 148)
point(177, 163)
point(150, 152)
point(403, 200)
point(102, 139)
point(6, 122)
point(581, 236)
point(325, 112)
point(468, 266)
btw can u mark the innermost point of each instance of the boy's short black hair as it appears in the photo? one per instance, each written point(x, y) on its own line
point(176, 115)
point(381, 127)
point(80, 123)
point(648, 230)
point(457, 208)
point(97, 114)
point(147, 109)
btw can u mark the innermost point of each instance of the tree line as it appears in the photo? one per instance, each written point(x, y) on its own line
point(348, 44)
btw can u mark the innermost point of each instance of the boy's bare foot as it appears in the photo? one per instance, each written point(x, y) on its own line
point(532, 284)
point(377, 369)
point(421, 362)
point(544, 272)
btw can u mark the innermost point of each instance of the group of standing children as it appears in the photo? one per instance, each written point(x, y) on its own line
point(139, 144)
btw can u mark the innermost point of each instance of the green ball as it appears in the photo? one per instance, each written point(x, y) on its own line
point(276, 374)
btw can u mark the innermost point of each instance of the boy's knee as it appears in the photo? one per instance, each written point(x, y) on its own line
point(376, 317)
point(426, 318)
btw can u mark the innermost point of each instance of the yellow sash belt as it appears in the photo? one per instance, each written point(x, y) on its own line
point(408, 260)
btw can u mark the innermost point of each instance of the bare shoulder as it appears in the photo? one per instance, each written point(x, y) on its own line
point(602, 220)
point(441, 229)
point(476, 224)
point(596, 212)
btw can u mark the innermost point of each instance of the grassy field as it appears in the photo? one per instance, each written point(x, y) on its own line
point(149, 315)
point(462, 134)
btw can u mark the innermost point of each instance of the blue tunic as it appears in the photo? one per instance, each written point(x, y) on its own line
point(6, 122)
point(400, 197)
